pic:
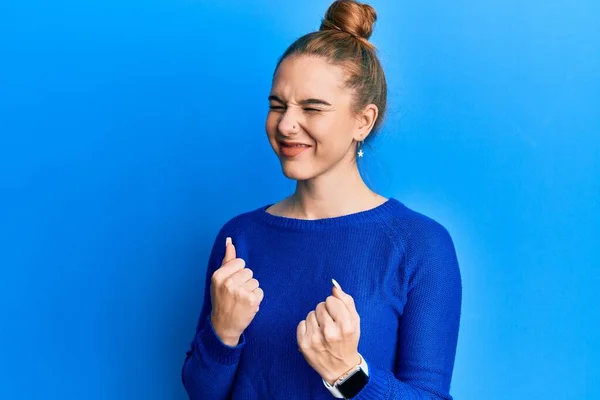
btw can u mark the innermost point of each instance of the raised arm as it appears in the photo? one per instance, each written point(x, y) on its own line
point(210, 364)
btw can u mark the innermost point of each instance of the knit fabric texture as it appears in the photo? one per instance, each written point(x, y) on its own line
point(399, 266)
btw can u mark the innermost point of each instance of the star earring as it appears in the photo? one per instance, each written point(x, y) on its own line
point(360, 146)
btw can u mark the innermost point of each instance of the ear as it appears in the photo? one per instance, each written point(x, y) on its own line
point(366, 120)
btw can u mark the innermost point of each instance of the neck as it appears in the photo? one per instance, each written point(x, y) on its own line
point(336, 192)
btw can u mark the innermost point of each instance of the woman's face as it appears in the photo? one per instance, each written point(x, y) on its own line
point(310, 124)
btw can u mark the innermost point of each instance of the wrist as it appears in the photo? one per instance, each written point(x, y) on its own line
point(351, 383)
point(228, 338)
point(229, 341)
point(333, 376)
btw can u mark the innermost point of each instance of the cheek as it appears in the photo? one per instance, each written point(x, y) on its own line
point(331, 136)
point(271, 129)
point(271, 123)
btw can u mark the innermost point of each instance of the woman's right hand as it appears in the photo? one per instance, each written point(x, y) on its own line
point(235, 297)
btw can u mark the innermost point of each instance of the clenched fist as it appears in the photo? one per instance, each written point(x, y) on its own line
point(328, 337)
point(235, 297)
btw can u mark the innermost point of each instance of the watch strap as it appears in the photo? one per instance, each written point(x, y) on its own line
point(334, 390)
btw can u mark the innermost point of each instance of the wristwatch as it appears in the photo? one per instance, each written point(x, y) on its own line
point(351, 383)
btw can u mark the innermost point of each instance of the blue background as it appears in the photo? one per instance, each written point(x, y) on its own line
point(131, 131)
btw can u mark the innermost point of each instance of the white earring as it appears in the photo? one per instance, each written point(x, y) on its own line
point(360, 145)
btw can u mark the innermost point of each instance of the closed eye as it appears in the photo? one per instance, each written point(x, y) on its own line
point(305, 109)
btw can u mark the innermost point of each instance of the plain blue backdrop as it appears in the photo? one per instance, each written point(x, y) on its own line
point(131, 131)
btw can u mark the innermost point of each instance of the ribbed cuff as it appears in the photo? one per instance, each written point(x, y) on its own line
point(214, 347)
point(378, 386)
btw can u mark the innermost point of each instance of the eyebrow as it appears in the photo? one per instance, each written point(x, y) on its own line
point(304, 102)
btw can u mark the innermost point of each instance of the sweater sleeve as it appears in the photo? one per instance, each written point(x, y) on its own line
point(429, 325)
point(210, 365)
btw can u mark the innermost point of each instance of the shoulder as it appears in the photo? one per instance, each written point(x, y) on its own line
point(234, 227)
point(239, 224)
point(413, 227)
point(425, 242)
point(429, 251)
point(241, 221)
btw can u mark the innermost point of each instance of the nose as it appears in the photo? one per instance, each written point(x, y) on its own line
point(288, 125)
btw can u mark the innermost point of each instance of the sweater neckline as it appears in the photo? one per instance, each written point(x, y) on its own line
point(378, 212)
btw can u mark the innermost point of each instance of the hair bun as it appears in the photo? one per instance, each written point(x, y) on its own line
point(350, 16)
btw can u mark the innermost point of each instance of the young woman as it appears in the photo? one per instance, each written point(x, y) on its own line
point(274, 325)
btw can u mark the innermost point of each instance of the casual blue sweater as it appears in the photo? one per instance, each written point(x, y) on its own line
point(400, 267)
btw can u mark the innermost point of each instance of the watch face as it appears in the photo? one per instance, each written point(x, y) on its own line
point(351, 386)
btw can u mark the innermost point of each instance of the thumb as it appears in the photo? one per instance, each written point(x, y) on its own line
point(336, 285)
point(343, 296)
point(229, 251)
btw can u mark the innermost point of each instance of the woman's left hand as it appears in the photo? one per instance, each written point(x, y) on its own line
point(328, 337)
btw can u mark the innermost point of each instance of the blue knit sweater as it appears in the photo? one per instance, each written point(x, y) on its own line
point(400, 267)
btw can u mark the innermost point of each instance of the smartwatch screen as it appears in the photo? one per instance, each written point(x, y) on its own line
point(353, 385)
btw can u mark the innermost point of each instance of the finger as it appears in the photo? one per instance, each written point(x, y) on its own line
point(345, 298)
point(229, 251)
point(323, 317)
point(311, 321)
point(241, 276)
point(301, 332)
point(313, 330)
point(250, 285)
point(337, 309)
point(230, 268)
point(312, 325)
point(260, 295)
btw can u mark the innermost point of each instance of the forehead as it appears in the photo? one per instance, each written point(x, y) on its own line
point(304, 76)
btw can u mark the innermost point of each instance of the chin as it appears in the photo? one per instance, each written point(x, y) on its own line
point(297, 171)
